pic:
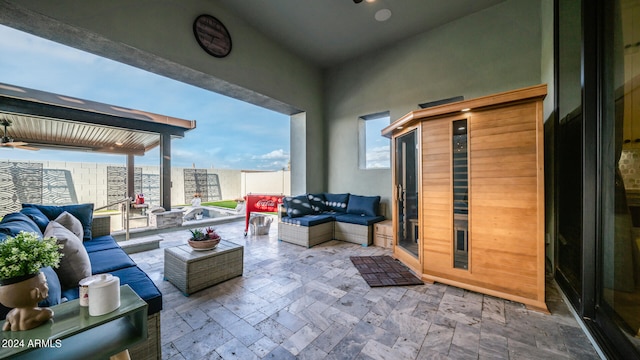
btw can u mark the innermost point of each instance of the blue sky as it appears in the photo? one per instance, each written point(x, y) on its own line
point(230, 133)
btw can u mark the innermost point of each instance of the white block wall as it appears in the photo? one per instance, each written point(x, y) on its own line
point(90, 181)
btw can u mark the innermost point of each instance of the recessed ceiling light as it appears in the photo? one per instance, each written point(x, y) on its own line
point(383, 14)
point(370, 1)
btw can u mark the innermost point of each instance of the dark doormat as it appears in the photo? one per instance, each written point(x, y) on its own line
point(384, 271)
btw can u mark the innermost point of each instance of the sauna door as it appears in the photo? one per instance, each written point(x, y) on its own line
point(406, 182)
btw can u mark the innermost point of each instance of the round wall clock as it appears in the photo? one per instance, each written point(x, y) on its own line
point(212, 36)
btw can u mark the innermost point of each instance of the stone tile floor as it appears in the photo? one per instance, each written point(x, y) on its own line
point(298, 303)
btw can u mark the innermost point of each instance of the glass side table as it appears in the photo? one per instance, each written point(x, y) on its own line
point(74, 334)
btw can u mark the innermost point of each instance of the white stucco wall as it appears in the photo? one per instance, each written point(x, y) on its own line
point(495, 50)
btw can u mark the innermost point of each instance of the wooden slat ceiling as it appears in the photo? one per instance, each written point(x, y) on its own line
point(47, 120)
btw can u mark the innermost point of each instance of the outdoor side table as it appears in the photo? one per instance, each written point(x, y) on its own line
point(74, 334)
point(191, 270)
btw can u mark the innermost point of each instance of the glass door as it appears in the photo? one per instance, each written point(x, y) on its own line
point(619, 270)
point(569, 153)
point(460, 172)
point(406, 183)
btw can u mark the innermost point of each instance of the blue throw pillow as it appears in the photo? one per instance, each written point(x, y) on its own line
point(37, 216)
point(317, 202)
point(297, 206)
point(82, 212)
point(13, 223)
point(363, 205)
point(336, 202)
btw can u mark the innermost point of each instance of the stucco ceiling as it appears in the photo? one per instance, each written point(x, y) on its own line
point(328, 32)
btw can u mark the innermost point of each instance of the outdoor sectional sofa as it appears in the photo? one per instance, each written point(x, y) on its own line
point(311, 219)
point(105, 256)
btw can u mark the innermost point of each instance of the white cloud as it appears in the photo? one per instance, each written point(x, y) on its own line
point(379, 157)
point(274, 160)
point(275, 154)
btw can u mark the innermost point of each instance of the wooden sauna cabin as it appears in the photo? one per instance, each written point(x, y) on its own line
point(468, 196)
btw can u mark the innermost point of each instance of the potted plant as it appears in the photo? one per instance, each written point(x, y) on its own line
point(206, 239)
point(22, 285)
point(210, 233)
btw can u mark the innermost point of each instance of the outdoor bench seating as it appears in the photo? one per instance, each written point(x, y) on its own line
point(104, 255)
point(311, 219)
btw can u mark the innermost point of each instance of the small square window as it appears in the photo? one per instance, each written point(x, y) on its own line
point(374, 149)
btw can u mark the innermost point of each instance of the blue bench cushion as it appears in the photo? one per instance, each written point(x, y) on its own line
point(105, 261)
point(142, 285)
point(138, 281)
point(83, 212)
point(99, 243)
point(359, 219)
point(309, 220)
point(363, 205)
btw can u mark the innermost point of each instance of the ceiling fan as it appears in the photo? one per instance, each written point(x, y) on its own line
point(6, 141)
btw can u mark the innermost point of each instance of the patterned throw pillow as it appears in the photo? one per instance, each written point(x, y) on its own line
point(337, 202)
point(297, 206)
point(317, 202)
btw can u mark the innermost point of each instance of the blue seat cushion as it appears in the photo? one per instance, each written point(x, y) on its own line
point(105, 261)
point(309, 220)
point(336, 202)
point(37, 216)
point(363, 205)
point(83, 212)
point(359, 219)
point(142, 285)
point(13, 223)
point(297, 206)
point(100, 243)
point(138, 281)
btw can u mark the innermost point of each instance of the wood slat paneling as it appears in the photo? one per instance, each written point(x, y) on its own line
point(503, 152)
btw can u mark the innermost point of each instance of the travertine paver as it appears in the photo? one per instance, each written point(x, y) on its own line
point(298, 303)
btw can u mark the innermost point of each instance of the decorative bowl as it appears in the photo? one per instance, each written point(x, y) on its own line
point(207, 244)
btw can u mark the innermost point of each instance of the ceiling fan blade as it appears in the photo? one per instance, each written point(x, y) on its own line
point(26, 147)
point(19, 145)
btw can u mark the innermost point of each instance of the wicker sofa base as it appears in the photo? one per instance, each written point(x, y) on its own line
point(150, 349)
point(305, 235)
point(353, 233)
point(309, 236)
